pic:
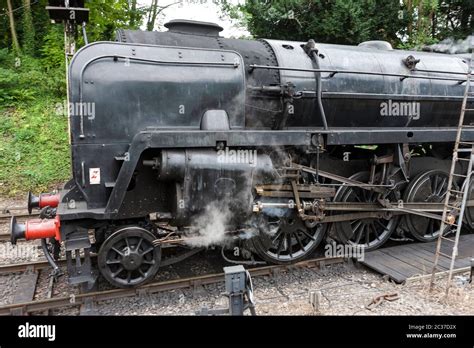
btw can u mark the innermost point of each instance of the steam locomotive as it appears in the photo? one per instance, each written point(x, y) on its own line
point(184, 139)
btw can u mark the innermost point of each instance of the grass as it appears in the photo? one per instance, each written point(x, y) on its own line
point(34, 149)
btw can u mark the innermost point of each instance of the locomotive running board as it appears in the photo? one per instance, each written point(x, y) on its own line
point(399, 135)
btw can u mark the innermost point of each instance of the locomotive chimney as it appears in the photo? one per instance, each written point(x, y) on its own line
point(184, 26)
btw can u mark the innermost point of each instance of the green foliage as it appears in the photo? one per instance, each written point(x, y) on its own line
point(108, 16)
point(28, 30)
point(33, 148)
point(33, 145)
point(23, 79)
point(455, 18)
point(405, 24)
point(52, 52)
point(335, 21)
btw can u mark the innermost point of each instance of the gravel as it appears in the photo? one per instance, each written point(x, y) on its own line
point(345, 290)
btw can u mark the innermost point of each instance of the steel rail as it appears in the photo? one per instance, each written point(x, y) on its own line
point(7, 216)
point(22, 267)
point(40, 265)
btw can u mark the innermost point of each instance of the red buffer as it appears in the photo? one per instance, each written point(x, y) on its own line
point(35, 229)
point(43, 200)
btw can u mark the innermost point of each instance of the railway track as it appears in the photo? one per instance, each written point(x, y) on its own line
point(84, 299)
point(23, 267)
point(8, 216)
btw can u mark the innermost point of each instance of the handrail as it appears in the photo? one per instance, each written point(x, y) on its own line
point(359, 72)
point(440, 71)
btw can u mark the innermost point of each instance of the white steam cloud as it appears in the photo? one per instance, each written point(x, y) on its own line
point(451, 46)
point(209, 228)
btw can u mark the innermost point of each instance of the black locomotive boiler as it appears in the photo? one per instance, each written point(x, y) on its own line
point(184, 139)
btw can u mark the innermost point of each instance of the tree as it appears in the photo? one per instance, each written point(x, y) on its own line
point(16, 45)
point(28, 29)
point(153, 13)
point(336, 21)
point(406, 24)
point(455, 18)
point(107, 16)
point(134, 13)
point(421, 22)
point(432, 20)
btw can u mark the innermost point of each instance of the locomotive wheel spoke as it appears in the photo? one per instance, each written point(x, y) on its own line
point(117, 251)
point(116, 273)
point(138, 244)
point(280, 247)
point(147, 251)
point(113, 262)
point(441, 188)
point(359, 234)
point(277, 236)
point(308, 235)
point(380, 224)
point(357, 222)
point(434, 183)
point(377, 234)
point(288, 238)
point(299, 241)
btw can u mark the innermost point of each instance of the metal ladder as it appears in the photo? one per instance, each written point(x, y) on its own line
point(453, 211)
